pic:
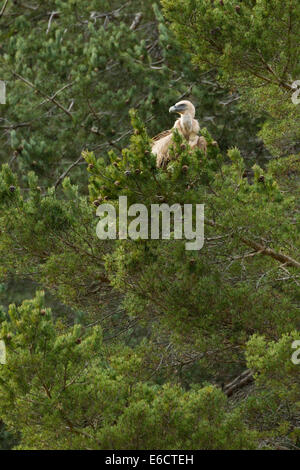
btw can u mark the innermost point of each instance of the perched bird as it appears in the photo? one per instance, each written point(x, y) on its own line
point(186, 125)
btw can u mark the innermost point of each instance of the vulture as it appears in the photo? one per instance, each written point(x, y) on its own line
point(186, 125)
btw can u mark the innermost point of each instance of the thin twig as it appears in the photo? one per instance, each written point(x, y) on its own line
point(262, 249)
point(50, 20)
point(59, 91)
point(53, 100)
point(3, 8)
point(65, 173)
point(137, 19)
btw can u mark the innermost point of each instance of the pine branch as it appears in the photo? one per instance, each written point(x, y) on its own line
point(49, 98)
point(261, 249)
point(244, 379)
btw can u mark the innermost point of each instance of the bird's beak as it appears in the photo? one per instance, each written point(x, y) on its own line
point(173, 109)
point(178, 108)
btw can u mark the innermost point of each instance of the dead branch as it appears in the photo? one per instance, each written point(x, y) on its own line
point(3, 8)
point(50, 98)
point(137, 19)
point(65, 173)
point(261, 249)
point(244, 379)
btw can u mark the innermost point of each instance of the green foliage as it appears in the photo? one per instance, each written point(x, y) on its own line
point(96, 66)
point(72, 78)
point(144, 332)
point(7, 440)
point(146, 282)
point(275, 406)
point(222, 278)
point(57, 387)
point(255, 47)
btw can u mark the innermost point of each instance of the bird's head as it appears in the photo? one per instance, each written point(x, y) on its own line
point(183, 107)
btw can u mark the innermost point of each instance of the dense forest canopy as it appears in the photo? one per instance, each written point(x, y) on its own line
point(141, 344)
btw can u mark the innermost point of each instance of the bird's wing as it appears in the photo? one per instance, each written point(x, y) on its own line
point(160, 147)
point(161, 135)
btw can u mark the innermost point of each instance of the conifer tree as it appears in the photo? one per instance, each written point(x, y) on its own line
point(157, 327)
point(255, 47)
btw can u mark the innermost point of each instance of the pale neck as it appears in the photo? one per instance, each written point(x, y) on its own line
point(186, 122)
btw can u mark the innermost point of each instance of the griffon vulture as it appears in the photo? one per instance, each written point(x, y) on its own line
point(186, 125)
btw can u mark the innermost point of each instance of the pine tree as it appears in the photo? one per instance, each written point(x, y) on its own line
point(255, 47)
point(157, 327)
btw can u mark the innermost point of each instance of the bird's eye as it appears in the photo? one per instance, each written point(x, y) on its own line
point(180, 107)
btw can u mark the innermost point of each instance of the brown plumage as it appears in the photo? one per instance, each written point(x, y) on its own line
point(186, 125)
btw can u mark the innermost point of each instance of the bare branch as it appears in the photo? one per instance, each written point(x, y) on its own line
point(3, 8)
point(137, 19)
point(244, 379)
point(287, 260)
point(54, 13)
point(50, 98)
point(65, 173)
